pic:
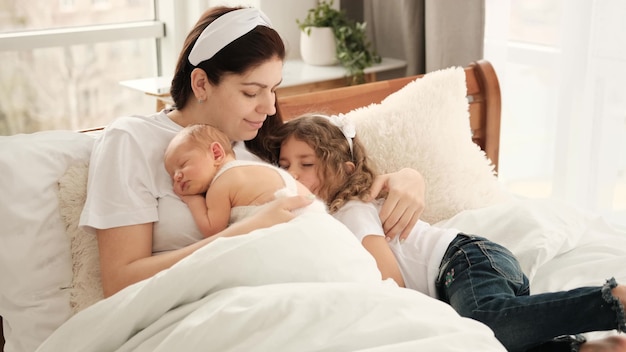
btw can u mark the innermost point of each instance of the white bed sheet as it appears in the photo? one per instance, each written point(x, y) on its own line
point(560, 247)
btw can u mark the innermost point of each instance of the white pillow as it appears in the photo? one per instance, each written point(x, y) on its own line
point(34, 249)
point(535, 230)
point(425, 126)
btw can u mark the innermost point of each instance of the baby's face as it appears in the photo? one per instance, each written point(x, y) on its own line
point(191, 168)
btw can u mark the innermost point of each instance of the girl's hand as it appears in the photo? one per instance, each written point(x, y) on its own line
point(404, 203)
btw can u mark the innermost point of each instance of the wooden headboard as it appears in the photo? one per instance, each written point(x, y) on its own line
point(483, 94)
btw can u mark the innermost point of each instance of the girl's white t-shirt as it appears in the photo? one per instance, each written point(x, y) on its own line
point(419, 257)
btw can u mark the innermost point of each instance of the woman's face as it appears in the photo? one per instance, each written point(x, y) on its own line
point(299, 159)
point(240, 103)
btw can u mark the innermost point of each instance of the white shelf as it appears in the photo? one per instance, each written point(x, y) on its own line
point(295, 72)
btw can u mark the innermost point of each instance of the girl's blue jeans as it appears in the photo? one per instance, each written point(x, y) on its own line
point(483, 280)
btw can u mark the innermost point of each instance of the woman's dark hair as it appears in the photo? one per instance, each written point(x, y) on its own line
point(241, 55)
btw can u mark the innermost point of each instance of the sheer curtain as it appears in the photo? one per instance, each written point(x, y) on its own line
point(562, 70)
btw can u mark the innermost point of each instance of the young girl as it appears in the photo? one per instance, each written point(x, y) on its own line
point(217, 188)
point(480, 279)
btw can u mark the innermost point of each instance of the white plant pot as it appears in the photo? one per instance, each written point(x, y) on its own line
point(318, 47)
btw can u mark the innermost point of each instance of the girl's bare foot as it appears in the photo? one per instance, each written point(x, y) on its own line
point(619, 291)
point(610, 343)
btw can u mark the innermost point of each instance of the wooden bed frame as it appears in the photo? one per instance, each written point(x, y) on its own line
point(483, 94)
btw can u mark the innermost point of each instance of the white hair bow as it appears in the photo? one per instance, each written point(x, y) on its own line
point(346, 126)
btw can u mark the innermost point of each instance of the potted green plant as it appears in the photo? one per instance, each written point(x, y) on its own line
point(353, 49)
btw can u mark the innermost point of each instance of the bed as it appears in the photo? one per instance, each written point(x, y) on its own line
point(445, 124)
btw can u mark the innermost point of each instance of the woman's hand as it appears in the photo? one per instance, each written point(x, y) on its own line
point(276, 212)
point(404, 203)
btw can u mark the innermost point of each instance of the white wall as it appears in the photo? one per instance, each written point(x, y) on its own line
point(282, 13)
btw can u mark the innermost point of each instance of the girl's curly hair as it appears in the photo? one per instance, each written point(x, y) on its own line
point(333, 151)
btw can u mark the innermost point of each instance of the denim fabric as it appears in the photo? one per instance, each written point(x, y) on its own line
point(484, 281)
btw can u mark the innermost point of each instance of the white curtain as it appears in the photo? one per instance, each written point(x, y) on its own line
point(562, 70)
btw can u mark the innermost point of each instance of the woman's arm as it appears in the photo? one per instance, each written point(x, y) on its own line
point(126, 252)
point(385, 260)
point(404, 203)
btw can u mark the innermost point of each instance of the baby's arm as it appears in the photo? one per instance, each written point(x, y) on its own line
point(211, 212)
point(216, 210)
point(198, 207)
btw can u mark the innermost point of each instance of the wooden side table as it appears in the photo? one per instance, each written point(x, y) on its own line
point(298, 78)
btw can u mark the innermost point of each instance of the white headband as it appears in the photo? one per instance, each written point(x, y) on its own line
point(224, 30)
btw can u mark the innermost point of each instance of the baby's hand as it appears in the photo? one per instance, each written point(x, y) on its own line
point(192, 199)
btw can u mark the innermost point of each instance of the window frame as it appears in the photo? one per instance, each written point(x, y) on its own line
point(172, 20)
point(60, 37)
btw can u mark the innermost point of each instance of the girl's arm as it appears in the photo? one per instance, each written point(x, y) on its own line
point(385, 260)
point(404, 203)
point(126, 251)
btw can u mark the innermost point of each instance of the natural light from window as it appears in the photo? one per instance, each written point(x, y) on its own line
point(74, 86)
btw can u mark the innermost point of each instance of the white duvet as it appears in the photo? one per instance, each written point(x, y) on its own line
point(307, 285)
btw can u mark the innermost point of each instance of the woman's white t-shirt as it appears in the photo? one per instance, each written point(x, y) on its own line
point(418, 257)
point(128, 184)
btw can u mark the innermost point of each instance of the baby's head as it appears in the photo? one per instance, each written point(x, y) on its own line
point(194, 156)
point(324, 154)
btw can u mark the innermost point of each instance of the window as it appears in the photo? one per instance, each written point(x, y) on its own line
point(62, 61)
point(72, 87)
point(18, 15)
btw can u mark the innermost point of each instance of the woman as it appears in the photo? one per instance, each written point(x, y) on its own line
point(226, 76)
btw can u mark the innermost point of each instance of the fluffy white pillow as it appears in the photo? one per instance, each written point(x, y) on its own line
point(86, 288)
point(34, 249)
point(425, 126)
